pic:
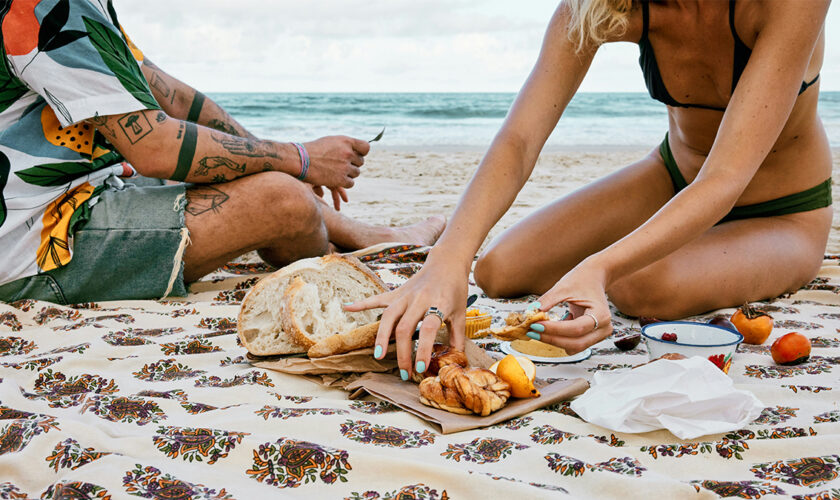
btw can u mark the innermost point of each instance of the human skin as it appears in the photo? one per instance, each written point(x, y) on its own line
point(246, 195)
point(628, 235)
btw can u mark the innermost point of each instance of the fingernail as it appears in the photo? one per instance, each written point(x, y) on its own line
point(537, 327)
point(566, 316)
point(533, 335)
point(534, 305)
point(421, 367)
point(377, 353)
point(348, 304)
point(403, 374)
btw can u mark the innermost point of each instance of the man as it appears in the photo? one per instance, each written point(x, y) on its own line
point(81, 110)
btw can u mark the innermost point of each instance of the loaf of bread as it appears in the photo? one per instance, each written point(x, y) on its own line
point(293, 309)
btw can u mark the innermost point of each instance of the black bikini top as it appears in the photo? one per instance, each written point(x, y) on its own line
point(653, 79)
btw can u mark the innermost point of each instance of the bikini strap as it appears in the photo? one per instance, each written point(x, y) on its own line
point(645, 21)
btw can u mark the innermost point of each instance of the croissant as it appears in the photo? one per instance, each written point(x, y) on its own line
point(518, 325)
point(465, 391)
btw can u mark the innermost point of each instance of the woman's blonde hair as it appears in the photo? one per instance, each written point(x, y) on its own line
point(594, 21)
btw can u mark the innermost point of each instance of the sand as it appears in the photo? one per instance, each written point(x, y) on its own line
point(399, 187)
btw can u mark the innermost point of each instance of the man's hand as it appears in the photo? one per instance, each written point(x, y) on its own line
point(335, 161)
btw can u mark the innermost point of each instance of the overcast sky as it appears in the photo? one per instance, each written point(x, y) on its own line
point(372, 45)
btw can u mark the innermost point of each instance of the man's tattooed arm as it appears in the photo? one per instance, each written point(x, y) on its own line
point(181, 101)
point(159, 146)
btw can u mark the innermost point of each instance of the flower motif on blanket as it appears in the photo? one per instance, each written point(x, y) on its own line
point(196, 444)
point(807, 388)
point(124, 410)
point(374, 408)
point(380, 435)
point(268, 411)
point(288, 463)
point(738, 489)
point(830, 416)
point(150, 482)
point(411, 492)
point(808, 471)
point(195, 346)
point(76, 489)
point(69, 454)
point(217, 323)
point(253, 377)
point(52, 313)
point(96, 322)
point(11, 320)
point(16, 435)
point(569, 466)
point(775, 416)
point(14, 346)
point(482, 451)
point(33, 364)
point(166, 370)
point(64, 392)
point(10, 491)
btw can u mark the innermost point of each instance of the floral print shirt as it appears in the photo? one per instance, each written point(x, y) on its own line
point(64, 61)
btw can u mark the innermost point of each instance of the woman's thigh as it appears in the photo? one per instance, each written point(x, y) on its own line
point(730, 264)
point(532, 255)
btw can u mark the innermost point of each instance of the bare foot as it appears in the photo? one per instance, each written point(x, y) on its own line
point(421, 233)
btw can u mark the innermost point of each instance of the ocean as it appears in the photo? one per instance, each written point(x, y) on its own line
point(461, 120)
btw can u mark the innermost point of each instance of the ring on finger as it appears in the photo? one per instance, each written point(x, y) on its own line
point(593, 319)
point(434, 311)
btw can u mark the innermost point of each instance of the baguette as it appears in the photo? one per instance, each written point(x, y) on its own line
point(292, 309)
point(359, 338)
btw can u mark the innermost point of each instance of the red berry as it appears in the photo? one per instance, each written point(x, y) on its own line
point(669, 337)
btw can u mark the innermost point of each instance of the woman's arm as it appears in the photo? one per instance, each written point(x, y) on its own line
point(181, 101)
point(442, 282)
point(754, 118)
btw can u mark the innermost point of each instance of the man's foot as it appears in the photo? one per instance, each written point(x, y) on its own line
point(422, 233)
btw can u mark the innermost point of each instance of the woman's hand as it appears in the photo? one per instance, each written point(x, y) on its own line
point(583, 289)
point(439, 284)
point(335, 161)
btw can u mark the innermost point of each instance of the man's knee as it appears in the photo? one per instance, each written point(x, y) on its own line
point(288, 200)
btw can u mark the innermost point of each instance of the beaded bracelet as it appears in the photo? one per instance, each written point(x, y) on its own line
point(304, 160)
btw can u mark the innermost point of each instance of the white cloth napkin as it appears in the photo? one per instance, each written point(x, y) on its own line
point(689, 397)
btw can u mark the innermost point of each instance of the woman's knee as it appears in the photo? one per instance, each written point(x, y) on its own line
point(647, 292)
point(492, 275)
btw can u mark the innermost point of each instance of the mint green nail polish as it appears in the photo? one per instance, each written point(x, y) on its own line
point(421, 367)
point(377, 353)
point(348, 303)
point(534, 305)
point(537, 327)
point(533, 335)
point(403, 374)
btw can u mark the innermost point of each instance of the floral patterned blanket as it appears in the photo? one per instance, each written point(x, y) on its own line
point(156, 399)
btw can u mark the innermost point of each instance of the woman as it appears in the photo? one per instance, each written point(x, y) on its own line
point(734, 205)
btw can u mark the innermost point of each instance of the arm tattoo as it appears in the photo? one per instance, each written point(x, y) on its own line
point(187, 152)
point(102, 123)
point(244, 147)
point(219, 178)
point(205, 199)
point(160, 85)
point(161, 117)
point(195, 107)
point(135, 126)
point(222, 126)
point(213, 162)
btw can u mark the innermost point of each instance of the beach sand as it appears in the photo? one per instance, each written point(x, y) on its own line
point(400, 186)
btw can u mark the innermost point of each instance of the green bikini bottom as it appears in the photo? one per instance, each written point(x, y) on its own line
point(816, 197)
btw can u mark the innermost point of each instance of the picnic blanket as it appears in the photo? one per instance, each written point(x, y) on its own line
point(156, 399)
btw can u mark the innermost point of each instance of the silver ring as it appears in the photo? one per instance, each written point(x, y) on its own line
point(434, 311)
point(594, 319)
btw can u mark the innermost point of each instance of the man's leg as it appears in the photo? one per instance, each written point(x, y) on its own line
point(282, 219)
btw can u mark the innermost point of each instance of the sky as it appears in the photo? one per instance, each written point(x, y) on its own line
point(373, 45)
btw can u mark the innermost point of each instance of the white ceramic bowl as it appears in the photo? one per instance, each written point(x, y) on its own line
point(716, 343)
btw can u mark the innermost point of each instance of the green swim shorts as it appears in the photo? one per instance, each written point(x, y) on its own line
point(127, 244)
point(813, 198)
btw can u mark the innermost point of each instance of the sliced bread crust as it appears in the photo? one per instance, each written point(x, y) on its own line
point(263, 312)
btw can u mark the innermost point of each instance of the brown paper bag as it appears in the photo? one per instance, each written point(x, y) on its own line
point(406, 395)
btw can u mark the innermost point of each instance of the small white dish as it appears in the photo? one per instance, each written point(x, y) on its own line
point(716, 343)
point(506, 348)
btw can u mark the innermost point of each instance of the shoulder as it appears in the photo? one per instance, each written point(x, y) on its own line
point(780, 14)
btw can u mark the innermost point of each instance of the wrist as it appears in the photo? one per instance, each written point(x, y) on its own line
point(598, 265)
point(440, 255)
point(303, 156)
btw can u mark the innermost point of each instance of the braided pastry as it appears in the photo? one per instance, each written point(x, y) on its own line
point(442, 355)
point(464, 391)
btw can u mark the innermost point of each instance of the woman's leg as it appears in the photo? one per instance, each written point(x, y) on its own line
point(732, 263)
point(531, 256)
